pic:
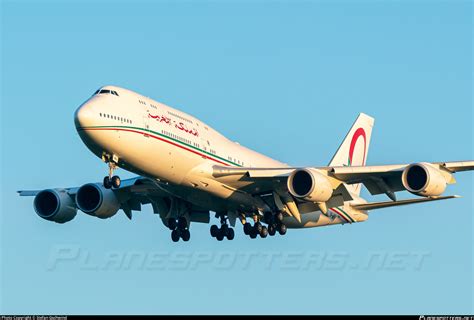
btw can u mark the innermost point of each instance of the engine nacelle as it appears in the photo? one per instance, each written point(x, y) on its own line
point(97, 201)
point(55, 205)
point(424, 180)
point(310, 184)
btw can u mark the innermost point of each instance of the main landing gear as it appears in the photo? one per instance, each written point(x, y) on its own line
point(225, 231)
point(274, 221)
point(179, 229)
point(112, 181)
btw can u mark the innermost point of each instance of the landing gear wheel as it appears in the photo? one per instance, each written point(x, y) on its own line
point(224, 231)
point(107, 182)
point(258, 226)
point(220, 235)
point(264, 232)
point(185, 235)
point(172, 223)
point(247, 228)
point(253, 233)
point(282, 229)
point(271, 230)
point(230, 234)
point(214, 230)
point(116, 182)
point(175, 235)
point(182, 223)
point(279, 217)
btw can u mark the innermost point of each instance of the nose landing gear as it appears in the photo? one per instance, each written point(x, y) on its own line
point(112, 181)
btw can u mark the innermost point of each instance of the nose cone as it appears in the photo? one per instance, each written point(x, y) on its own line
point(85, 116)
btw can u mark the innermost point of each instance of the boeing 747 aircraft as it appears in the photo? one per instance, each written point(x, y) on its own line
point(186, 170)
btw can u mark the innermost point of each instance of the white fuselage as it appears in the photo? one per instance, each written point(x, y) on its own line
point(157, 141)
point(154, 140)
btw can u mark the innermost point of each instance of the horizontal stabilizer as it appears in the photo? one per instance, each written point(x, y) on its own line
point(386, 204)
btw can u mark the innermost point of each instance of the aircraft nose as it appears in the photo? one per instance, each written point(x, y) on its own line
point(84, 116)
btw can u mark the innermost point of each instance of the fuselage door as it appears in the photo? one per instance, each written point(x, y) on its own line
point(146, 124)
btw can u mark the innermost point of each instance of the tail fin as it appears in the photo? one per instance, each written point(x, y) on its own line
point(355, 147)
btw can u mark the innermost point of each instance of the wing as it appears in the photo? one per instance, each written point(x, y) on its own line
point(377, 179)
point(138, 191)
point(386, 204)
point(136, 185)
point(132, 194)
point(256, 181)
point(388, 179)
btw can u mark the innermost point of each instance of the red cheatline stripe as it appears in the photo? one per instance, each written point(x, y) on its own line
point(161, 139)
point(346, 214)
point(340, 214)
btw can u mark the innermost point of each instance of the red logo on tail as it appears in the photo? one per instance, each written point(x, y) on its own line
point(358, 133)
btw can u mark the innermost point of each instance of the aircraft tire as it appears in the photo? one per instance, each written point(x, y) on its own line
point(230, 234)
point(253, 233)
point(107, 183)
point(185, 235)
point(282, 229)
point(116, 182)
point(214, 230)
point(220, 236)
point(264, 232)
point(247, 229)
point(271, 230)
point(175, 235)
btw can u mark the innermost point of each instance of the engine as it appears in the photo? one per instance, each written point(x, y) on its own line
point(97, 201)
point(424, 180)
point(55, 205)
point(310, 184)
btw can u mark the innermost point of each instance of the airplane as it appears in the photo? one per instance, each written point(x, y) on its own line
point(186, 170)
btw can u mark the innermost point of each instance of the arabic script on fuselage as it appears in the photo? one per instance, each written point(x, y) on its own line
point(178, 125)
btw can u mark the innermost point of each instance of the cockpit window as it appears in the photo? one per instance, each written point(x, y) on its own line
point(106, 91)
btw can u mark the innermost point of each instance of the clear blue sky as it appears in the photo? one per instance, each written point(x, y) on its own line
point(286, 79)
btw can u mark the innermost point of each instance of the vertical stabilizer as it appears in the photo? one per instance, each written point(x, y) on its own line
point(355, 147)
